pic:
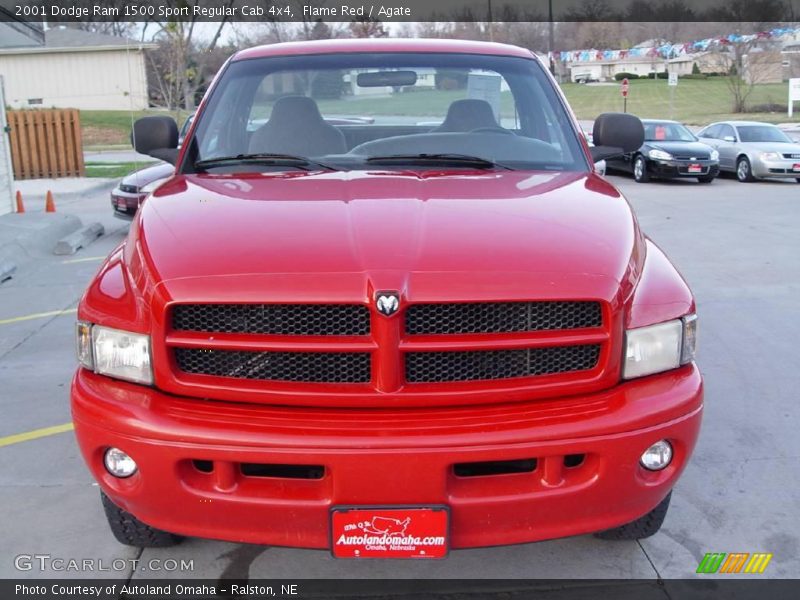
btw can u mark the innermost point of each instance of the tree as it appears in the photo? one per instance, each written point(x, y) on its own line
point(183, 63)
point(368, 28)
point(745, 65)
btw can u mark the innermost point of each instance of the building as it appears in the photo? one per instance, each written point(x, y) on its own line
point(605, 70)
point(18, 34)
point(76, 69)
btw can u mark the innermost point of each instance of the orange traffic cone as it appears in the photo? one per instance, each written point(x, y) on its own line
point(49, 205)
point(20, 205)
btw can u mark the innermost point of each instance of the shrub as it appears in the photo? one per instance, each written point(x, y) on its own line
point(623, 75)
point(695, 69)
point(694, 76)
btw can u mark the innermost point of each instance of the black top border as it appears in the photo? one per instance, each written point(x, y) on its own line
point(766, 12)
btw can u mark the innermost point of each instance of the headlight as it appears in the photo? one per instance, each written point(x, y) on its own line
point(659, 155)
point(115, 353)
point(771, 155)
point(714, 155)
point(659, 347)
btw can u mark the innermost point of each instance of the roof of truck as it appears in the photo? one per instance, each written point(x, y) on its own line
point(369, 45)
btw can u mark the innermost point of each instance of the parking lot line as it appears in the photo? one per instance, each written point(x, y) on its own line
point(80, 260)
point(35, 434)
point(52, 313)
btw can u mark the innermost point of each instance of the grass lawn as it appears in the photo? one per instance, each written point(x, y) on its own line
point(104, 128)
point(98, 169)
point(696, 101)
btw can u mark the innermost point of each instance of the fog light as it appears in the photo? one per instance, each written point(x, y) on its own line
point(657, 456)
point(118, 463)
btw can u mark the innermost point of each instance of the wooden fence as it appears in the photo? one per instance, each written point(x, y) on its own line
point(46, 143)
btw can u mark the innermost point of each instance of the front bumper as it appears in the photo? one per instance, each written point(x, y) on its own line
point(125, 204)
point(680, 168)
point(776, 168)
point(388, 457)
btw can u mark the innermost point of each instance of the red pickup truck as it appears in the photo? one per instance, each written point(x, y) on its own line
point(435, 329)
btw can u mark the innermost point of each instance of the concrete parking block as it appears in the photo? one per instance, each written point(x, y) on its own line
point(79, 239)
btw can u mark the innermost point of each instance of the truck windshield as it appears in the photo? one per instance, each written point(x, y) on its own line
point(384, 110)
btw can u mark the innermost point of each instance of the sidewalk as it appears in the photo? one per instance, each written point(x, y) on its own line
point(65, 188)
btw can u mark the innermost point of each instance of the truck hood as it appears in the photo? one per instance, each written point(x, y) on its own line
point(340, 236)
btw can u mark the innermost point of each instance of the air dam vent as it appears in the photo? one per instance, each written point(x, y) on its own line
point(501, 317)
point(273, 319)
point(495, 467)
point(283, 471)
point(313, 367)
point(439, 367)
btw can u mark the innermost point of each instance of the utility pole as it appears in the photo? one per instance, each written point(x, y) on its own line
point(550, 40)
point(491, 24)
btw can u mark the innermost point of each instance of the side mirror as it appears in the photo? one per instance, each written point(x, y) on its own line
point(729, 138)
point(615, 134)
point(156, 137)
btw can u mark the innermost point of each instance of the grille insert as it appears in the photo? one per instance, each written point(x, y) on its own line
point(312, 367)
point(439, 367)
point(273, 319)
point(501, 317)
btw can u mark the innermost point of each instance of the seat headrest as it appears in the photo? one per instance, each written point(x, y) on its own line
point(296, 108)
point(468, 114)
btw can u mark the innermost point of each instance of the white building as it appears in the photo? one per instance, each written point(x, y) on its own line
point(12, 33)
point(76, 69)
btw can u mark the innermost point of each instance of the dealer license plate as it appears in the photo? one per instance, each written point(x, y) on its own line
point(796, 167)
point(403, 532)
point(695, 169)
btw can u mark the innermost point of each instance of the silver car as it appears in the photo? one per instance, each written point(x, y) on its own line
point(753, 150)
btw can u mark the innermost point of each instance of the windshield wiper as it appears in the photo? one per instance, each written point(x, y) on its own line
point(465, 160)
point(287, 160)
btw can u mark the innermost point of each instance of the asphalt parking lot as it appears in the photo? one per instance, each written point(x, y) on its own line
point(736, 244)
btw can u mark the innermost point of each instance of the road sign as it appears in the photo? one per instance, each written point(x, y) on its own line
point(673, 79)
point(794, 93)
point(624, 88)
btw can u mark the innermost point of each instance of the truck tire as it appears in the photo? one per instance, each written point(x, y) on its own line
point(642, 527)
point(132, 532)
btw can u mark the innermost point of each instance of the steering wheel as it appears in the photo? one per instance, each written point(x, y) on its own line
point(502, 130)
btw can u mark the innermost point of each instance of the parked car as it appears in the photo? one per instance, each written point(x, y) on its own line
point(390, 342)
point(128, 195)
point(131, 191)
point(669, 151)
point(793, 133)
point(753, 150)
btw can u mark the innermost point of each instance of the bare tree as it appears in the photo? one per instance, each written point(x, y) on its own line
point(746, 66)
point(183, 62)
point(368, 28)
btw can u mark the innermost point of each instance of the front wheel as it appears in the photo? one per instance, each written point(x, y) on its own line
point(744, 172)
point(797, 179)
point(132, 532)
point(706, 179)
point(642, 527)
point(640, 173)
